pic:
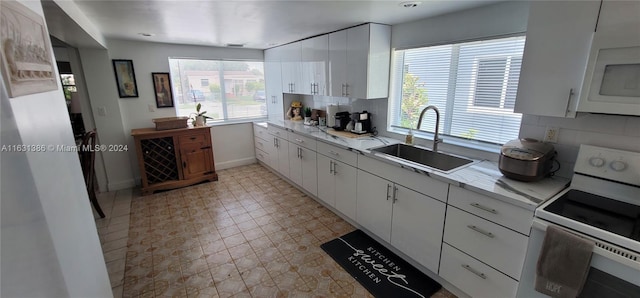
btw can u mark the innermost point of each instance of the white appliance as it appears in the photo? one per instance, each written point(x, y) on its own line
point(612, 78)
point(615, 82)
point(602, 204)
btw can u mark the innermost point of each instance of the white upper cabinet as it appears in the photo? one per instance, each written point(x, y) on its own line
point(315, 64)
point(559, 36)
point(359, 60)
point(291, 57)
point(338, 63)
point(273, 84)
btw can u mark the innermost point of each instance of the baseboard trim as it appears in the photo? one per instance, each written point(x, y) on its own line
point(236, 163)
point(124, 184)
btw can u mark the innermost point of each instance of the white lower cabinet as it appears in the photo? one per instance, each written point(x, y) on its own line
point(302, 168)
point(474, 277)
point(336, 185)
point(375, 204)
point(279, 150)
point(416, 226)
point(488, 242)
point(410, 221)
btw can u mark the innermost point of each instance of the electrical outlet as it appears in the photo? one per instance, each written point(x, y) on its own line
point(102, 111)
point(551, 135)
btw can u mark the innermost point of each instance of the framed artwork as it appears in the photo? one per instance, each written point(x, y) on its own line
point(125, 78)
point(27, 62)
point(162, 88)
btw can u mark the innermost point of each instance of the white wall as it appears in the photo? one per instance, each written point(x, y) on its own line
point(50, 245)
point(612, 131)
point(138, 112)
point(233, 145)
point(103, 95)
point(503, 18)
point(71, 55)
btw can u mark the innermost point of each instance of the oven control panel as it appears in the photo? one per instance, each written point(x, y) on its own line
point(607, 163)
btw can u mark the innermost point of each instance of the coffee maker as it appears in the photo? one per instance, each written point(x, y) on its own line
point(362, 122)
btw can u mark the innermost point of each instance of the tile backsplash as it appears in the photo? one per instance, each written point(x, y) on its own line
point(612, 131)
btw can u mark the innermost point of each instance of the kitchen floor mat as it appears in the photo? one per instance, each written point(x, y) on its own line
point(376, 268)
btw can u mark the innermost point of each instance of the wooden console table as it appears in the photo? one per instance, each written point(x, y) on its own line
point(174, 158)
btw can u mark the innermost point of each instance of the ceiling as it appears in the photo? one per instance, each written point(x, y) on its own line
point(254, 24)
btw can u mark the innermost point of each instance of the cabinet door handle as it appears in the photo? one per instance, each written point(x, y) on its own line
point(481, 231)
point(474, 271)
point(299, 141)
point(192, 138)
point(331, 167)
point(571, 93)
point(184, 164)
point(334, 153)
point(395, 193)
point(274, 143)
point(485, 208)
point(346, 89)
point(334, 168)
point(388, 187)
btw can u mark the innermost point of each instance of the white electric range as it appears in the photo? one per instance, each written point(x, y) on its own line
point(602, 204)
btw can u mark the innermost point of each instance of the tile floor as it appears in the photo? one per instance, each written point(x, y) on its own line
point(250, 234)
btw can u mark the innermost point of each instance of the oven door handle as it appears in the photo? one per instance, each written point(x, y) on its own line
point(604, 249)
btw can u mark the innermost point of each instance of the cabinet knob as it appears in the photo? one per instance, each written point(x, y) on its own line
point(169, 147)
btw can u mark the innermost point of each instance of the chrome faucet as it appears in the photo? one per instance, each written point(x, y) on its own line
point(436, 140)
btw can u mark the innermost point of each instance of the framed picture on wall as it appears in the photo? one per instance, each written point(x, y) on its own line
point(162, 89)
point(27, 62)
point(125, 78)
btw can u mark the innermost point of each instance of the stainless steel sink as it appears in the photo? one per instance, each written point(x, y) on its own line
point(423, 156)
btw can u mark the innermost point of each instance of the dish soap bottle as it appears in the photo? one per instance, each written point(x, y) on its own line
point(409, 138)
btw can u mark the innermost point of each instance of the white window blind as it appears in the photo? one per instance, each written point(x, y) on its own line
point(473, 84)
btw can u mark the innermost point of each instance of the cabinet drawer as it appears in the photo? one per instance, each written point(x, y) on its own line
point(261, 144)
point(277, 131)
point(260, 132)
point(343, 155)
point(488, 242)
point(511, 216)
point(303, 141)
point(262, 156)
point(418, 182)
point(474, 277)
point(193, 140)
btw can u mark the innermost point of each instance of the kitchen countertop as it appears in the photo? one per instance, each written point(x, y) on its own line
point(482, 176)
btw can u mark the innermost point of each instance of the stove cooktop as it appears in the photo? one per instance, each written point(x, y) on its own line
point(614, 216)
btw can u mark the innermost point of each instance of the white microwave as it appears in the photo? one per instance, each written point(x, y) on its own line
point(615, 83)
point(612, 78)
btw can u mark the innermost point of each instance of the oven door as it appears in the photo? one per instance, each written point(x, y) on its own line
point(615, 272)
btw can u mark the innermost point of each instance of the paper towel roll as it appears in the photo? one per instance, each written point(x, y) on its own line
point(331, 113)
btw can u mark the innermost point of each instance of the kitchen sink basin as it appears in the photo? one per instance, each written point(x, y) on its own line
point(423, 156)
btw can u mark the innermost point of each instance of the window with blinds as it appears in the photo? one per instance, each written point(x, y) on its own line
point(473, 84)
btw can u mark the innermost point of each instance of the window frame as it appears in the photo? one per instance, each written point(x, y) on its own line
point(217, 120)
point(394, 92)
